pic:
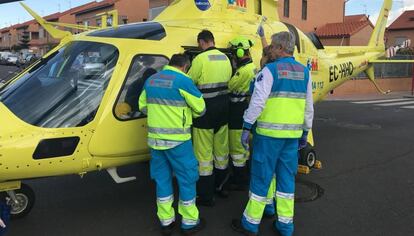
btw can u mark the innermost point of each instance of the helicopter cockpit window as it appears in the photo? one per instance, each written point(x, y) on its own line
point(142, 67)
point(66, 88)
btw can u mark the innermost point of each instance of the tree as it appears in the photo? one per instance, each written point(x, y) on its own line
point(16, 48)
point(24, 41)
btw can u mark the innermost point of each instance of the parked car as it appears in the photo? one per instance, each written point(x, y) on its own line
point(24, 62)
point(93, 66)
point(12, 60)
point(4, 56)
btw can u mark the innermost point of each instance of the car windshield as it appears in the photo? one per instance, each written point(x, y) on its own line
point(64, 89)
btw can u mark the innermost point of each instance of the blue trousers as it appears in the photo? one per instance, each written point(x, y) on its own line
point(5, 216)
point(272, 157)
point(181, 161)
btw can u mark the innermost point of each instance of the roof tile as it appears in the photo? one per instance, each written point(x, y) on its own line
point(351, 25)
point(405, 21)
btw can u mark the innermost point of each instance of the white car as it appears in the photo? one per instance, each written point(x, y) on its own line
point(92, 66)
point(12, 59)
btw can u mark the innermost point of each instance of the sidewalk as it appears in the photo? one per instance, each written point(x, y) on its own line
point(371, 96)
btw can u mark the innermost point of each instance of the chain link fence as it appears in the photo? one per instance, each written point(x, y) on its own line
point(393, 70)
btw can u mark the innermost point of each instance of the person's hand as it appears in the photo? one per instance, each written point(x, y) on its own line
point(2, 225)
point(245, 138)
point(303, 141)
point(260, 31)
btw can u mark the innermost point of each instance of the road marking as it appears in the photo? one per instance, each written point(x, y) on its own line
point(408, 107)
point(382, 101)
point(396, 104)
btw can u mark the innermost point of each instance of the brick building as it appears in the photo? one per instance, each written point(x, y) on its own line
point(40, 41)
point(128, 11)
point(355, 30)
point(308, 16)
point(304, 14)
point(401, 29)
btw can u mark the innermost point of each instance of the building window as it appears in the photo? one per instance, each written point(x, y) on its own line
point(99, 22)
point(304, 9)
point(142, 67)
point(34, 35)
point(286, 8)
point(86, 23)
point(125, 21)
point(109, 21)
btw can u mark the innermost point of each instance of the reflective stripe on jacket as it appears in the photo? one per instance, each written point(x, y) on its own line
point(170, 100)
point(211, 71)
point(240, 82)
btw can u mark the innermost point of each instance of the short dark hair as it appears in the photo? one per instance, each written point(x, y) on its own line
point(179, 60)
point(206, 36)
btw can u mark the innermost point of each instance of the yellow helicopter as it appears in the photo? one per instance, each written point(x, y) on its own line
point(76, 109)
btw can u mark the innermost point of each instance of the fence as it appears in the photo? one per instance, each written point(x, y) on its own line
point(393, 70)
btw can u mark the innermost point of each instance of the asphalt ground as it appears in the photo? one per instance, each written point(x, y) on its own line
point(366, 186)
point(7, 72)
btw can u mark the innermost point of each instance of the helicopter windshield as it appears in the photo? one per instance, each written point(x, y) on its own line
point(64, 89)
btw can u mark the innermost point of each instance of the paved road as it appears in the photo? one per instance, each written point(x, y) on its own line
point(367, 181)
point(7, 72)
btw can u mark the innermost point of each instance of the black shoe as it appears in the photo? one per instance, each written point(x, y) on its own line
point(205, 191)
point(205, 202)
point(167, 230)
point(221, 181)
point(238, 227)
point(201, 225)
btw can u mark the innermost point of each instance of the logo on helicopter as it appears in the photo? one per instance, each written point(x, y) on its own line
point(240, 5)
point(203, 5)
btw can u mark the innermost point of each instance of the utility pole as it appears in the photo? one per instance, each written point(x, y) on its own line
point(365, 9)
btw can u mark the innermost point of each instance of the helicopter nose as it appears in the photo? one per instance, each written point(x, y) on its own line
point(16, 142)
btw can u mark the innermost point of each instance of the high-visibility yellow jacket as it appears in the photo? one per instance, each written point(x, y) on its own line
point(170, 100)
point(282, 101)
point(211, 71)
point(239, 84)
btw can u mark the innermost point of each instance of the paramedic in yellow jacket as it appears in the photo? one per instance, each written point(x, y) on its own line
point(211, 71)
point(239, 95)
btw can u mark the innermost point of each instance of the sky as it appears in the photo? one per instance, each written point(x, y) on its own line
point(12, 13)
point(373, 7)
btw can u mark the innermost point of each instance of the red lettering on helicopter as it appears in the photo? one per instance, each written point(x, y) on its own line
point(237, 4)
point(242, 3)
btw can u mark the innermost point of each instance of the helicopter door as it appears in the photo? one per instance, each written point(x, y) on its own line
point(124, 133)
